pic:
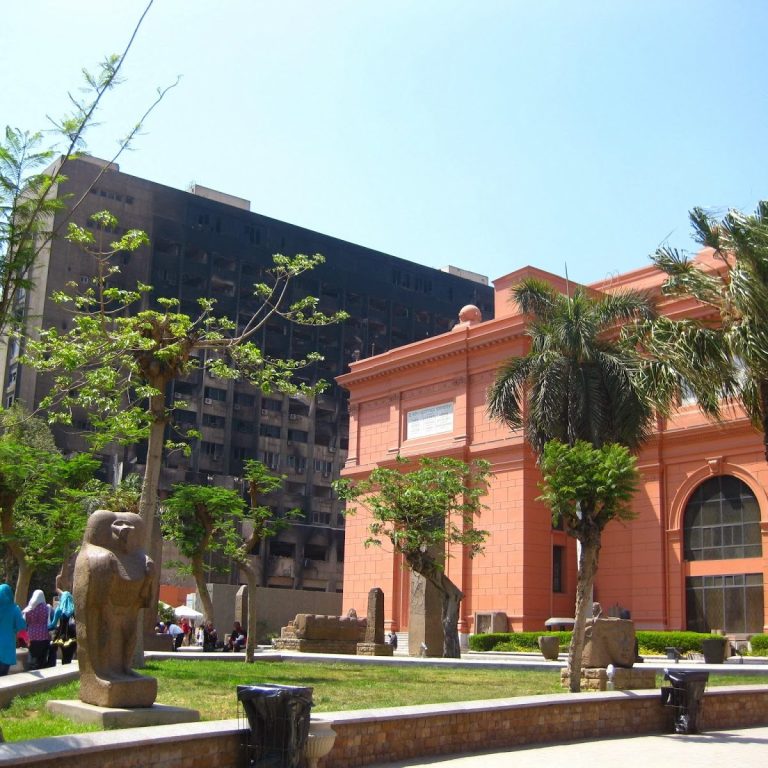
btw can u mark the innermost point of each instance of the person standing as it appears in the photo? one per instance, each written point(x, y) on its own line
point(177, 633)
point(63, 626)
point(11, 622)
point(36, 615)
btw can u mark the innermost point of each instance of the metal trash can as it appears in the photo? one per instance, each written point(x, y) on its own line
point(684, 696)
point(278, 720)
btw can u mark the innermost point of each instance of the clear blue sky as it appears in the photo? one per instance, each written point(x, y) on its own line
point(485, 134)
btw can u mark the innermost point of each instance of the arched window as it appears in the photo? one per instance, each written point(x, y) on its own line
point(722, 521)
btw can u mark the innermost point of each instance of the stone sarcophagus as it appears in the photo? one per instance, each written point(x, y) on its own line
point(313, 633)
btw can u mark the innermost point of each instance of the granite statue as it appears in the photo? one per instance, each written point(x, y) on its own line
point(112, 583)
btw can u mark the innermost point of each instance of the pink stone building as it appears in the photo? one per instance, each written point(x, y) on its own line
point(694, 557)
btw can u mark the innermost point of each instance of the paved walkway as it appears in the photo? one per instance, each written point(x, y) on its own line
point(747, 748)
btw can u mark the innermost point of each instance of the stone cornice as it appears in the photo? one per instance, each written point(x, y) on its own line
point(505, 330)
point(491, 333)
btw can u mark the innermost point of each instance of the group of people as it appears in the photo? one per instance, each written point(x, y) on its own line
point(40, 627)
point(181, 632)
point(235, 640)
point(205, 635)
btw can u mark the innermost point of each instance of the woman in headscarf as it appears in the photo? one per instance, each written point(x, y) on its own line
point(11, 622)
point(36, 616)
point(63, 626)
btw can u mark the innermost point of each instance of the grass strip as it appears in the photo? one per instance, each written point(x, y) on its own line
point(210, 686)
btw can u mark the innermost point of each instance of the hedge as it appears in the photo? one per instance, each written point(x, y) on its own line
point(658, 642)
point(650, 642)
point(513, 641)
point(759, 645)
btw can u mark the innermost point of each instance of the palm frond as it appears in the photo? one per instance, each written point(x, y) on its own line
point(706, 231)
point(536, 297)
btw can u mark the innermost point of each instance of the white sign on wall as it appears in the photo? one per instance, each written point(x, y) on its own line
point(429, 421)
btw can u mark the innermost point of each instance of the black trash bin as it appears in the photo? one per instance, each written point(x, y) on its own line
point(278, 719)
point(684, 695)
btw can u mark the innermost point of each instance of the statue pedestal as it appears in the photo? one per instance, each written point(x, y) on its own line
point(110, 717)
point(374, 649)
point(596, 679)
point(130, 691)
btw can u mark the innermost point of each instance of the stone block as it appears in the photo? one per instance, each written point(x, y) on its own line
point(609, 641)
point(374, 649)
point(158, 642)
point(424, 623)
point(345, 647)
point(115, 717)
point(22, 661)
point(596, 679)
point(309, 626)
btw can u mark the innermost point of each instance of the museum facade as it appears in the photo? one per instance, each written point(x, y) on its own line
point(693, 557)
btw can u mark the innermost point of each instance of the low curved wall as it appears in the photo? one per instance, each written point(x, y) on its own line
point(399, 733)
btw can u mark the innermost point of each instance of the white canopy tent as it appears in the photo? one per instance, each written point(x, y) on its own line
point(184, 612)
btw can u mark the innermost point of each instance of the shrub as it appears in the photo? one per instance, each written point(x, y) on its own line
point(521, 642)
point(658, 642)
point(650, 642)
point(759, 645)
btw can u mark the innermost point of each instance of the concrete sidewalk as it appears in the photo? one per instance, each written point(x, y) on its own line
point(743, 747)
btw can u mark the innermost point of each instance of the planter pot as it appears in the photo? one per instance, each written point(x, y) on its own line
point(713, 649)
point(549, 645)
point(319, 742)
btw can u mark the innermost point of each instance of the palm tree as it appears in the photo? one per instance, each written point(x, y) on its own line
point(581, 381)
point(735, 286)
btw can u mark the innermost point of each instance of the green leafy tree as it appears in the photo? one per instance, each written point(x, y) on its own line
point(586, 488)
point(116, 362)
point(202, 519)
point(726, 355)
point(581, 381)
point(29, 178)
point(42, 501)
point(422, 513)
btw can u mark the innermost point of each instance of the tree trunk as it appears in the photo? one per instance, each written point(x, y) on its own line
point(450, 598)
point(198, 571)
point(590, 550)
point(148, 501)
point(22, 581)
point(252, 580)
point(12, 545)
point(148, 512)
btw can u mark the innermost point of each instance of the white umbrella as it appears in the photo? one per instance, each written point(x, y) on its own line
point(183, 612)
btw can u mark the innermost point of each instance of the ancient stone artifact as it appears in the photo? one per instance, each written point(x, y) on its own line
point(425, 626)
point(312, 633)
point(112, 583)
point(549, 645)
point(609, 641)
point(374, 644)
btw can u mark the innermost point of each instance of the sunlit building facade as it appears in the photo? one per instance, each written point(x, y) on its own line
point(693, 558)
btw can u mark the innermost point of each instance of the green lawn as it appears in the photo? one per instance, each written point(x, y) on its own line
point(210, 686)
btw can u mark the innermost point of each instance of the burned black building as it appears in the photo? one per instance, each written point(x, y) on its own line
point(207, 244)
